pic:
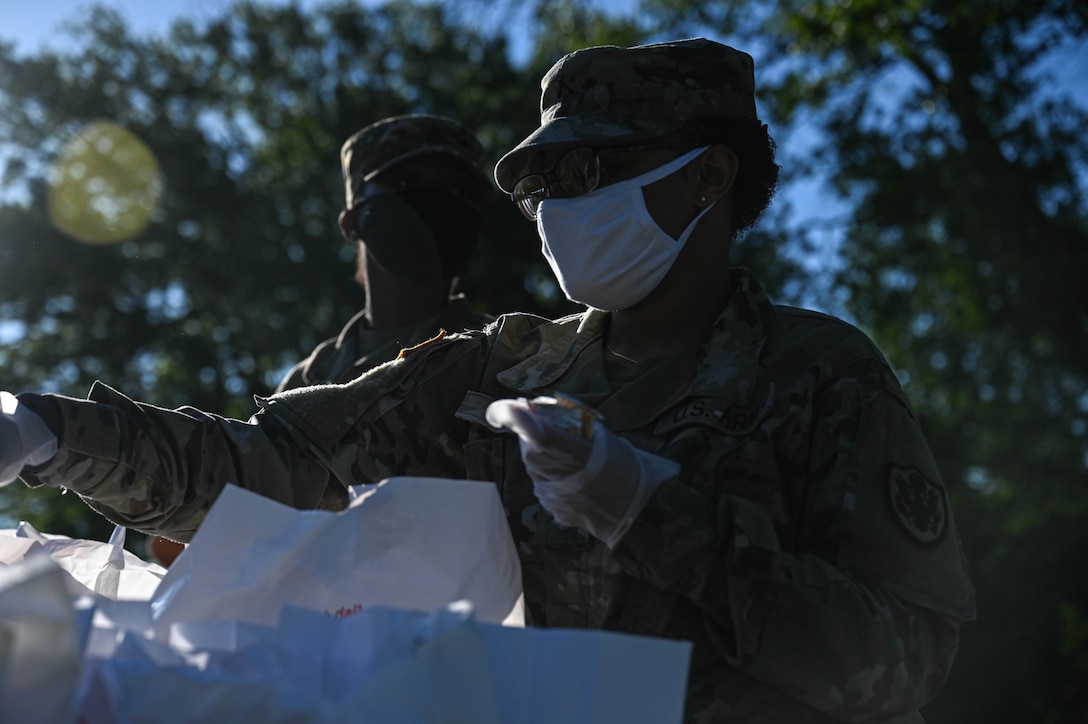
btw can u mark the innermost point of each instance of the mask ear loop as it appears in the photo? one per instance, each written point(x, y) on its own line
point(665, 169)
point(633, 188)
point(639, 182)
point(691, 227)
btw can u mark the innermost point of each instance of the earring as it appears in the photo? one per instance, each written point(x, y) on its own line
point(702, 199)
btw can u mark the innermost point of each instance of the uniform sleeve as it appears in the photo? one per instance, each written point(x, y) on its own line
point(858, 616)
point(397, 419)
point(159, 471)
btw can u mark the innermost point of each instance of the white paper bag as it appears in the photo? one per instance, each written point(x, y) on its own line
point(579, 676)
point(385, 666)
point(410, 543)
point(106, 569)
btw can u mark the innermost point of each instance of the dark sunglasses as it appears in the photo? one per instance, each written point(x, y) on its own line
point(577, 172)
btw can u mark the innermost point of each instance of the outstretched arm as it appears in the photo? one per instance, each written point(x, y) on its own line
point(159, 471)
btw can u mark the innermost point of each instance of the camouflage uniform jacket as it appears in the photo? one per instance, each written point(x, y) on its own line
point(806, 548)
point(358, 347)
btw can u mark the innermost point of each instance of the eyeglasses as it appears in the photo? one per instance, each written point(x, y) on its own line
point(577, 172)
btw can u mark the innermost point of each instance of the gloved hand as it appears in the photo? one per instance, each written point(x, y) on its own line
point(25, 439)
point(600, 484)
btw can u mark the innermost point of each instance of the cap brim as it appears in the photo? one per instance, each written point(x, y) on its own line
point(594, 131)
point(481, 191)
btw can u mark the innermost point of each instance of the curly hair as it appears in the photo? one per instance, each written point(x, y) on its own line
point(757, 172)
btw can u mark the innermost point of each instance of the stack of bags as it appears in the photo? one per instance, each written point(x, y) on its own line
point(406, 607)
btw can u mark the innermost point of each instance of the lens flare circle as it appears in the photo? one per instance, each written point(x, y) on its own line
point(104, 185)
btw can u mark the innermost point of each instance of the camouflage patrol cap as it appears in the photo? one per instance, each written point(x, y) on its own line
point(611, 96)
point(390, 141)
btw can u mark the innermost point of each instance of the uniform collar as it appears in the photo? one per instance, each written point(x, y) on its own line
point(368, 339)
point(725, 365)
point(729, 358)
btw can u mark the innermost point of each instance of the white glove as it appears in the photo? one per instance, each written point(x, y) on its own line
point(600, 484)
point(25, 439)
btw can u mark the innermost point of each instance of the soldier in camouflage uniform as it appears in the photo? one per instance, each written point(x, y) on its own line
point(790, 520)
point(413, 189)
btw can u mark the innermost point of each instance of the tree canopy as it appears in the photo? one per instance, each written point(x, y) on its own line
point(949, 165)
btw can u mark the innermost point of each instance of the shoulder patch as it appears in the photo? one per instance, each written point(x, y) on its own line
point(919, 504)
point(438, 337)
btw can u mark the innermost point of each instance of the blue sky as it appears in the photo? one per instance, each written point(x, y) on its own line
point(31, 25)
point(35, 24)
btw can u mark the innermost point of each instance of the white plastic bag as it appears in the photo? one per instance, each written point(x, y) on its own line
point(41, 637)
point(378, 667)
point(409, 543)
point(106, 569)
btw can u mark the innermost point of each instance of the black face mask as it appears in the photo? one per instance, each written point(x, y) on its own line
point(407, 231)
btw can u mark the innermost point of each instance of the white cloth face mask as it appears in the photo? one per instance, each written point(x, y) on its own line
point(604, 247)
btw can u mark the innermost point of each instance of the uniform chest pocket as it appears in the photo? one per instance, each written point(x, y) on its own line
point(496, 456)
point(716, 464)
point(547, 532)
point(498, 459)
